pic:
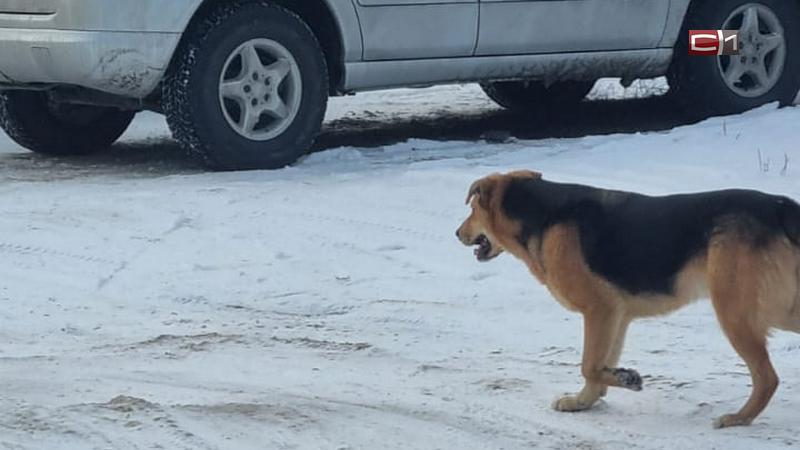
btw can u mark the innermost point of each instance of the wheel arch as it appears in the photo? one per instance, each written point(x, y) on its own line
point(678, 12)
point(335, 24)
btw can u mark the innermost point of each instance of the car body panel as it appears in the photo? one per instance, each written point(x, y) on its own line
point(677, 12)
point(510, 27)
point(119, 47)
point(417, 31)
point(347, 21)
point(100, 15)
point(124, 47)
point(100, 60)
point(28, 6)
point(549, 67)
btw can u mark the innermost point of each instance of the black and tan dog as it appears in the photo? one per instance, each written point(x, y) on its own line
point(616, 256)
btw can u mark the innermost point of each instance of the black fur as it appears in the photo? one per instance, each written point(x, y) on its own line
point(640, 242)
point(790, 216)
point(628, 378)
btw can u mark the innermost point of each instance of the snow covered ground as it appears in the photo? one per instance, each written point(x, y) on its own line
point(147, 304)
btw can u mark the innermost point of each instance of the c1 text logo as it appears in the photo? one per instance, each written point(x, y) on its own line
point(713, 42)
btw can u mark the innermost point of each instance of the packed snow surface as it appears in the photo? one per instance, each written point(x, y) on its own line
point(147, 304)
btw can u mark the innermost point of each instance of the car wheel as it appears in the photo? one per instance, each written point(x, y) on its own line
point(526, 96)
point(40, 124)
point(248, 88)
point(766, 70)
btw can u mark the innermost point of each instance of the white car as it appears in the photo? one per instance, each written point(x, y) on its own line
point(244, 83)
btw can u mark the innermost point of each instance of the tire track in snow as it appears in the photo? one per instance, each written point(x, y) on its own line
point(183, 221)
point(61, 425)
point(136, 415)
point(35, 250)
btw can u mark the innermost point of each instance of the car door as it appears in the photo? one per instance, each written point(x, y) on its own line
point(417, 29)
point(548, 26)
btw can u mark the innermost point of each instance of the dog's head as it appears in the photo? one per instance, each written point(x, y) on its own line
point(482, 227)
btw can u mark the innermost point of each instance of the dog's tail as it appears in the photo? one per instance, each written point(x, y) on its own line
point(789, 212)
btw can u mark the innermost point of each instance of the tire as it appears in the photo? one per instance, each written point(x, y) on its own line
point(35, 122)
point(698, 83)
point(214, 123)
point(527, 96)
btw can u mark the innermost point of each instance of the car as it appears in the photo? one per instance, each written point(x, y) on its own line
point(244, 84)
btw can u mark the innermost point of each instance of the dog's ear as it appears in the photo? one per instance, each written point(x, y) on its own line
point(483, 189)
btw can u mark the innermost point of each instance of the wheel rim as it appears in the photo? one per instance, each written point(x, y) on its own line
point(260, 89)
point(762, 44)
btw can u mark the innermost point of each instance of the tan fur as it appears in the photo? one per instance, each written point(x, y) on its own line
point(752, 291)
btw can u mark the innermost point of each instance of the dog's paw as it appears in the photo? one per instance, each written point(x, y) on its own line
point(731, 420)
point(628, 379)
point(569, 403)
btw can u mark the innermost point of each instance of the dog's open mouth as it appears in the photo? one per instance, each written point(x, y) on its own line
point(484, 248)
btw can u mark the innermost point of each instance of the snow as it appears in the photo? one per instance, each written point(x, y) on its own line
point(145, 303)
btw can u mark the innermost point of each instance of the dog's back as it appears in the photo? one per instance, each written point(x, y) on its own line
point(640, 243)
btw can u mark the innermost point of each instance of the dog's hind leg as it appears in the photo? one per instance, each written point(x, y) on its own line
point(602, 329)
point(751, 346)
point(735, 276)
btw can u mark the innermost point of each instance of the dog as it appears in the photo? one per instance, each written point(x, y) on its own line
point(616, 256)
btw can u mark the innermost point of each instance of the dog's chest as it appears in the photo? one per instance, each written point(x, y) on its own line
point(565, 272)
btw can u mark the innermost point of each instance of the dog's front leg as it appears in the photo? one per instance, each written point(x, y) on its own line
point(601, 328)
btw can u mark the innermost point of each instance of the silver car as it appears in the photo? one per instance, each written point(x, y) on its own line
point(245, 83)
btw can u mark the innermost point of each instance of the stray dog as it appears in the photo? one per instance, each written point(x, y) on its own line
point(616, 256)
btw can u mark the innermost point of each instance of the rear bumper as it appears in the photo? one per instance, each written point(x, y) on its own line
point(130, 64)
